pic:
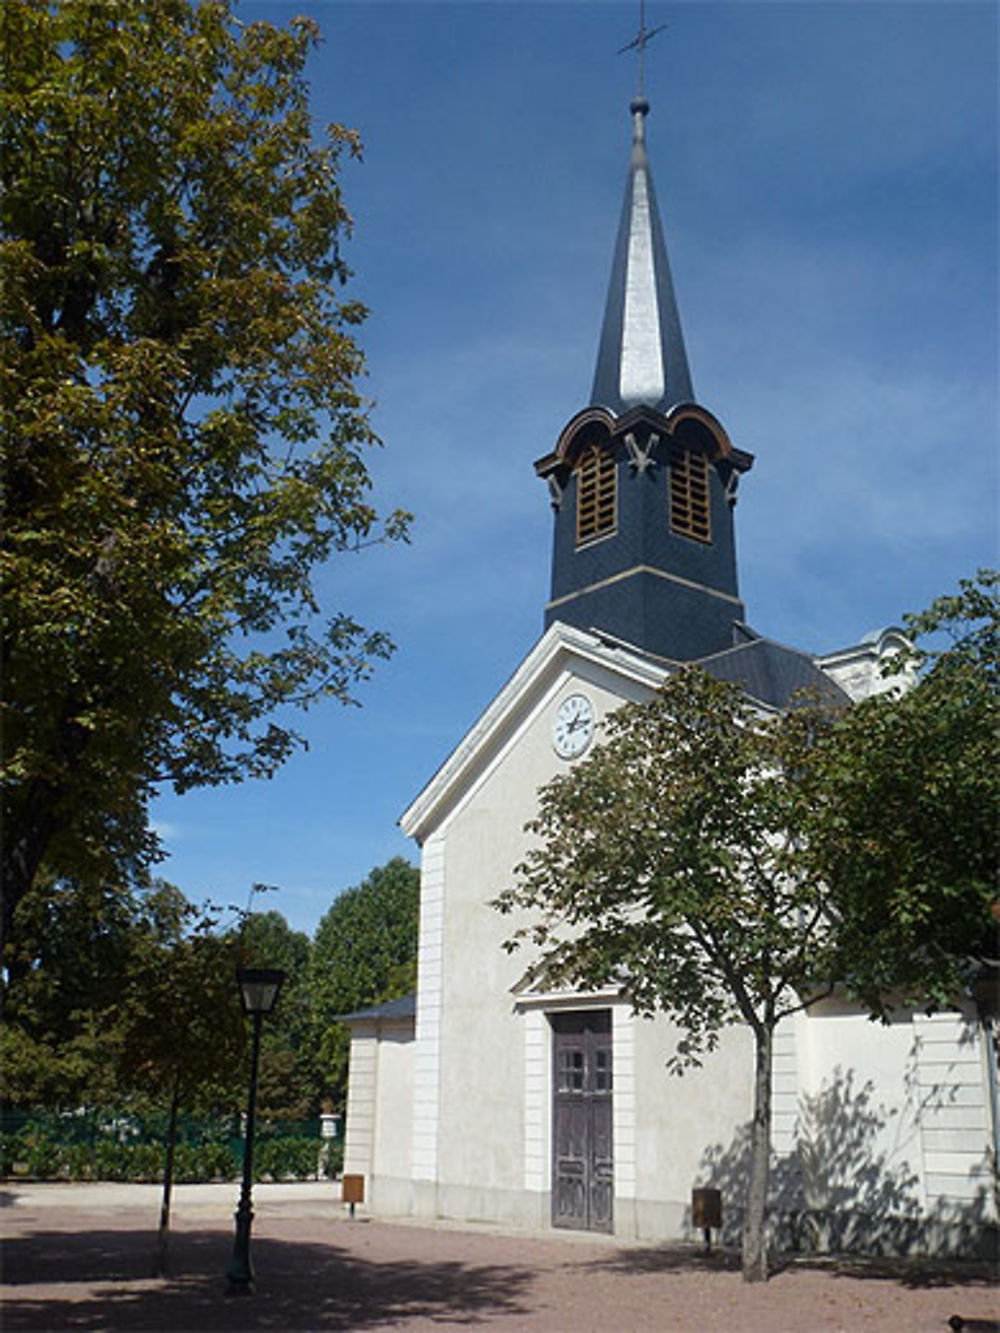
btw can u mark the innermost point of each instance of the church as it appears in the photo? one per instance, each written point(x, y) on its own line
point(482, 1099)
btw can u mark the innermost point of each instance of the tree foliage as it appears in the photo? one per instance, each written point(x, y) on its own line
point(907, 825)
point(182, 1029)
point(291, 1075)
point(669, 865)
point(364, 953)
point(730, 866)
point(111, 998)
point(62, 973)
point(183, 435)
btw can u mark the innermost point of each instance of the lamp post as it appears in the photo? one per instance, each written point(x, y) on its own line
point(259, 987)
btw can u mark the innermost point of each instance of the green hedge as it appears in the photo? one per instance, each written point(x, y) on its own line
point(36, 1154)
point(43, 1151)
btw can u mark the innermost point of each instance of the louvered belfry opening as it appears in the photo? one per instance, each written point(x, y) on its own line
point(690, 510)
point(691, 451)
point(642, 480)
point(596, 494)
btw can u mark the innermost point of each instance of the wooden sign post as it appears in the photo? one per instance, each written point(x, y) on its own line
point(352, 1191)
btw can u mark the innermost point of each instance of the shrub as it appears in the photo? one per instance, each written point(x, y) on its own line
point(9, 1153)
point(204, 1161)
point(81, 1163)
point(44, 1158)
point(333, 1158)
point(53, 1149)
point(284, 1159)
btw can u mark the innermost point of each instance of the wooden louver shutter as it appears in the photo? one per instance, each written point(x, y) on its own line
point(690, 512)
point(595, 482)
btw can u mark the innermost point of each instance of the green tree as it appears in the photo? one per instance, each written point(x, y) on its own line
point(364, 952)
point(670, 864)
point(291, 1077)
point(90, 1014)
point(183, 437)
point(181, 1030)
point(728, 866)
point(63, 975)
point(906, 831)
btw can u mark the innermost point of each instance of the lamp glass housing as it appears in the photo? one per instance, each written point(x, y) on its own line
point(259, 987)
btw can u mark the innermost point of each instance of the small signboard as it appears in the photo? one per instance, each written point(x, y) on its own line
point(706, 1212)
point(352, 1190)
point(706, 1207)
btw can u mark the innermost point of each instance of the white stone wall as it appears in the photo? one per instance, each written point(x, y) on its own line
point(395, 1093)
point(879, 1122)
point(953, 1114)
point(858, 1117)
point(379, 1102)
point(537, 1102)
point(424, 1113)
point(691, 1128)
point(858, 669)
point(885, 1147)
point(494, 1130)
point(362, 1088)
point(482, 1133)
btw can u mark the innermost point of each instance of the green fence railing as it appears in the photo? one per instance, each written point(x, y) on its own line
point(103, 1145)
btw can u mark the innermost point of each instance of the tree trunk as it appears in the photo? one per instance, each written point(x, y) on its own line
point(160, 1265)
point(754, 1222)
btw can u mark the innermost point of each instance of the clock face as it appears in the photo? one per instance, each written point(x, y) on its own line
point(574, 726)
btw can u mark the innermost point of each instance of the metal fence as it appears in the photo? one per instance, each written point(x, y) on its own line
point(104, 1145)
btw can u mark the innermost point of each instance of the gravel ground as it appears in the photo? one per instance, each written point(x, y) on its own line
point(79, 1256)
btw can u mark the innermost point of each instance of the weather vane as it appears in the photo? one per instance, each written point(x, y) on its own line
point(639, 43)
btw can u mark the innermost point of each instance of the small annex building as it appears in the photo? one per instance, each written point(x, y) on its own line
point(482, 1099)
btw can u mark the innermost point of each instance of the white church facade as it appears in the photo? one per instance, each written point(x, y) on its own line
point(482, 1099)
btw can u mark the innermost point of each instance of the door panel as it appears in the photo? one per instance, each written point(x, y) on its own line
point(570, 1197)
point(582, 1127)
point(602, 1175)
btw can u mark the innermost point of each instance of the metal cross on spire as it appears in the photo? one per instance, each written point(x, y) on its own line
point(639, 44)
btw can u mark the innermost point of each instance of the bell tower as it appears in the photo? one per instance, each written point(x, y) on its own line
point(643, 480)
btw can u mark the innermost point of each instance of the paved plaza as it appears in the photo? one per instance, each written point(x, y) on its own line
point(79, 1257)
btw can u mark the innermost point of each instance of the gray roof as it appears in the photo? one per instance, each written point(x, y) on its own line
point(641, 359)
point(400, 1009)
point(771, 673)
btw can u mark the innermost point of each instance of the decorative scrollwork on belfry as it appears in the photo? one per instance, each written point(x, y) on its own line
point(640, 456)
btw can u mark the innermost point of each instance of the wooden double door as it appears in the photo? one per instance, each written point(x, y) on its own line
point(582, 1141)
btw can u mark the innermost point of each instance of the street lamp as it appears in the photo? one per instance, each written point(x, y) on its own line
point(259, 987)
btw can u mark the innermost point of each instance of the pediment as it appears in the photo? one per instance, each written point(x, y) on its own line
point(563, 654)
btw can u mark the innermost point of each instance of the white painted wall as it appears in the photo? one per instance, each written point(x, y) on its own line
point(379, 1110)
point(493, 1139)
point(395, 1100)
point(858, 669)
point(891, 1121)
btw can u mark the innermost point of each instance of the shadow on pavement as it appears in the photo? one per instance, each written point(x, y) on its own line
point(913, 1273)
point(105, 1283)
point(669, 1259)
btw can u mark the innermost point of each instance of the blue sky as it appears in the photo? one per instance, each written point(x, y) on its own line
point(827, 178)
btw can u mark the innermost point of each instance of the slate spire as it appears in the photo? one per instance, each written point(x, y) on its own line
point(643, 480)
point(641, 360)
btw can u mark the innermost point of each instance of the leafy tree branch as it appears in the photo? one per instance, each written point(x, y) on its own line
point(184, 439)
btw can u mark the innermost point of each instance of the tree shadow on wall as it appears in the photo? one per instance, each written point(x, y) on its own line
point(841, 1191)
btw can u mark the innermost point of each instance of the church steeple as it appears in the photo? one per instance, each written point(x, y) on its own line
point(643, 480)
point(641, 358)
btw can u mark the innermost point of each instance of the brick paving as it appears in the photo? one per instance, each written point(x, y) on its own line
point(79, 1257)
